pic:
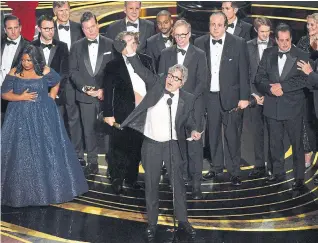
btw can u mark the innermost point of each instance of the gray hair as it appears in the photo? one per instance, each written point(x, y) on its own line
point(122, 34)
point(164, 13)
point(182, 22)
point(125, 3)
point(58, 4)
point(182, 69)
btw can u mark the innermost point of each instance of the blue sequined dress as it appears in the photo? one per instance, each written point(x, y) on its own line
point(39, 165)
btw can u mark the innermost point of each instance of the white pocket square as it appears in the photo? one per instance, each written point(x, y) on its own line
point(230, 59)
point(106, 53)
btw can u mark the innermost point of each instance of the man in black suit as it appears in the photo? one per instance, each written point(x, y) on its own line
point(236, 26)
point(282, 85)
point(11, 48)
point(194, 60)
point(312, 84)
point(151, 118)
point(256, 48)
point(88, 59)
point(162, 40)
point(55, 54)
point(227, 95)
point(123, 91)
point(69, 32)
point(133, 23)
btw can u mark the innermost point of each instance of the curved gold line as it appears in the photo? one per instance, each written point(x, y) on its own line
point(14, 237)
point(282, 6)
point(277, 17)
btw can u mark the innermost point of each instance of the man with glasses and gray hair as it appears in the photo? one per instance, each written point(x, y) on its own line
point(195, 60)
point(163, 135)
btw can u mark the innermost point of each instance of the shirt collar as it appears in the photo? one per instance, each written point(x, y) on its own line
point(235, 22)
point(17, 40)
point(258, 40)
point(67, 24)
point(97, 38)
point(42, 42)
point(222, 38)
point(176, 93)
point(185, 48)
point(135, 22)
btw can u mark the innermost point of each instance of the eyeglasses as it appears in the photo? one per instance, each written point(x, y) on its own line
point(174, 78)
point(181, 36)
point(47, 29)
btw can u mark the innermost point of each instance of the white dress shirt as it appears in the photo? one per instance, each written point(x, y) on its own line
point(46, 52)
point(168, 43)
point(138, 84)
point(231, 30)
point(261, 48)
point(157, 125)
point(216, 55)
point(93, 52)
point(64, 35)
point(132, 28)
point(281, 62)
point(181, 57)
point(8, 56)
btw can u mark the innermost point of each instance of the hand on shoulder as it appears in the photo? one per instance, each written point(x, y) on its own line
point(46, 70)
point(12, 71)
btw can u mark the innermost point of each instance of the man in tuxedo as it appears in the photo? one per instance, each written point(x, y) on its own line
point(236, 26)
point(162, 40)
point(256, 48)
point(151, 118)
point(11, 48)
point(123, 91)
point(194, 60)
point(69, 32)
point(133, 23)
point(55, 54)
point(227, 95)
point(88, 59)
point(282, 85)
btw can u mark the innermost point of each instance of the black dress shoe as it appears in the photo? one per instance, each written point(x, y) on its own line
point(236, 181)
point(197, 193)
point(187, 228)
point(91, 169)
point(316, 179)
point(134, 185)
point(151, 232)
point(272, 179)
point(209, 176)
point(298, 184)
point(117, 186)
point(257, 173)
point(82, 161)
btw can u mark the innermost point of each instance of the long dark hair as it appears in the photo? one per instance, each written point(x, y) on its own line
point(36, 58)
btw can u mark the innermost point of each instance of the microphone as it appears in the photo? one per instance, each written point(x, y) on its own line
point(169, 102)
point(100, 118)
point(117, 125)
point(251, 103)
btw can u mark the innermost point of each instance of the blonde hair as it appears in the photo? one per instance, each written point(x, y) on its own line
point(313, 16)
point(182, 22)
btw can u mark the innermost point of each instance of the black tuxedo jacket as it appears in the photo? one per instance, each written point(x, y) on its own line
point(81, 71)
point(119, 98)
point(76, 32)
point(156, 86)
point(195, 61)
point(233, 74)
point(292, 80)
point(155, 44)
point(254, 59)
point(313, 85)
point(243, 29)
point(59, 61)
point(23, 43)
point(146, 30)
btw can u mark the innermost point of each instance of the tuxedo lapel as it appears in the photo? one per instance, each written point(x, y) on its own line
point(208, 52)
point(56, 33)
point(161, 44)
point(237, 29)
point(124, 73)
point(100, 56)
point(274, 64)
point(17, 52)
point(226, 49)
point(189, 56)
point(142, 31)
point(179, 110)
point(174, 56)
point(52, 52)
point(38, 44)
point(87, 61)
point(255, 50)
point(290, 62)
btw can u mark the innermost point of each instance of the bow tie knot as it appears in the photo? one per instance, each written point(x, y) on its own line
point(217, 41)
point(9, 42)
point(49, 46)
point(280, 54)
point(166, 39)
point(92, 42)
point(66, 27)
point(183, 52)
point(262, 42)
point(168, 93)
point(132, 24)
point(230, 25)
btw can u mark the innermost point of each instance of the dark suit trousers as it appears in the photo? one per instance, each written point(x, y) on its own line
point(223, 150)
point(195, 148)
point(152, 154)
point(294, 128)
point(73, 121)
point(125, 154)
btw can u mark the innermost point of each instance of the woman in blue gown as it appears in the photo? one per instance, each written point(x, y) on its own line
point(39, 165)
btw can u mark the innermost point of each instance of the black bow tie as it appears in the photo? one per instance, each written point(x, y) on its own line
point(217, 41)
point(91, 42)
point(166, 39)
point(66, 27)
point(168, 92)
point(230, 25)
point(9, 42)
point(132, 24)
point(183, 52)
point(46, 46)
point(262, 42)
point(280, 54)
